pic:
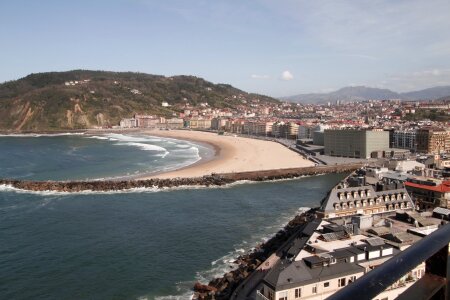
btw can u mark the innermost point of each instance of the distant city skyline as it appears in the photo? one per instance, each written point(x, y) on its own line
point(277, 48)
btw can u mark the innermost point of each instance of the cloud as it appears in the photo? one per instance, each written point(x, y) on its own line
point(256, 76)
point(287, 75)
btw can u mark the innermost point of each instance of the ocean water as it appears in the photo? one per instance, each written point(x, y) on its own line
point(63, 157)
point(145, 244)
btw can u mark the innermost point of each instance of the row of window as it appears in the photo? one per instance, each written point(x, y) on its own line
point(341, 283)
point(401, 205)
point(391, 197)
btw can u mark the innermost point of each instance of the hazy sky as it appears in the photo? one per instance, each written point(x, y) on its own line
point(274, 47)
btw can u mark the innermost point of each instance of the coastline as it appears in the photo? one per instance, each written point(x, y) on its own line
point(232, 155)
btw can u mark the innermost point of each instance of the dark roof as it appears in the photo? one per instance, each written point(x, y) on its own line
point(311, 227)
point(354, 250)
point(287, 274)
point(342, 253)
point(368, 247)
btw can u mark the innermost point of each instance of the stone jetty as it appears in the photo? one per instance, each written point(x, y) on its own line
point(209, 180)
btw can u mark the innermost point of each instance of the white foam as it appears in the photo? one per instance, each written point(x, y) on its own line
point(226, 263)
point(181, 146)
point(145, 147)
point(129, 138)
point(154, 189)
point(186, 296)
point(98, 137)
point(41, 134)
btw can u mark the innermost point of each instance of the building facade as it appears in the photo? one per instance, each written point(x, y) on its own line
point(357, 143)
point(404, 139)
point(433, 140)
point(429, 193)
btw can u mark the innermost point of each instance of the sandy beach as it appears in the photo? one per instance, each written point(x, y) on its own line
point(233, 154)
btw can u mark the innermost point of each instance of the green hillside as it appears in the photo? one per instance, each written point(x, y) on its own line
point(54, 101)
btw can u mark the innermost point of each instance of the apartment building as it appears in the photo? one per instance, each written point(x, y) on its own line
point(404, 139)
point(433, 140)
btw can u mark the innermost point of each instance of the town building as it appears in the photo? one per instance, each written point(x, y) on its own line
point(327, 256)
point(433, 140)
point(197, 123)
point(287, 130)
point(218, 123)
point(148, 121)
point(357, 143)
point(428, 192)
point(344, 200)
point(404, 139)
point(128, 123)
point(174, 123)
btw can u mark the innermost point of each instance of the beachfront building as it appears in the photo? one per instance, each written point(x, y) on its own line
point(174, 123)
point(128, 123)
point(257, 127)
point(198, 123)
point(305, 131)
point(356, 143)
point(287, 130)
point(433, 140)
point(235, 125)
point(218, 123)
point(148, 121)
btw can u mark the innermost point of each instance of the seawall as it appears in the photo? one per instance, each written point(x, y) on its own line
point(209, 180)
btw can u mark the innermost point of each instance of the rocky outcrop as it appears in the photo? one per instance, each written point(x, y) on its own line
point(210, 180)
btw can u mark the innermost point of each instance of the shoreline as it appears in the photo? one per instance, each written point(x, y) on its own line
point(233, 154)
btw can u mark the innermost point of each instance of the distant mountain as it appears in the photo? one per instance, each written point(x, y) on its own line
point(361, 93)
point(428, 94)
point(82, 99)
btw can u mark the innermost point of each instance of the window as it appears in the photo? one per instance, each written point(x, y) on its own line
point(352, 279)
point(341, 282)
point(314, 289)
point(283, 298)
point(298, 293)
point(270, 294)
point(326, 284)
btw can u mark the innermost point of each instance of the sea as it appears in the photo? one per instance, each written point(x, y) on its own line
point(138, 244)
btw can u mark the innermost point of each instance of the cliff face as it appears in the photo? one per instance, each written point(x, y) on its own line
point(84, 99)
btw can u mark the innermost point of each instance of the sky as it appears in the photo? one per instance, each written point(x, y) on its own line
point(272, 47)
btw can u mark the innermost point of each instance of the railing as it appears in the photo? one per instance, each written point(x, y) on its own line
point(433, 249)
point(260, 296)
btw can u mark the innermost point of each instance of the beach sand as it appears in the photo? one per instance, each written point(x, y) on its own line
point(233, 154)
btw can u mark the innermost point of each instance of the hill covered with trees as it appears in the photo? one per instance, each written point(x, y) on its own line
point(84, 99)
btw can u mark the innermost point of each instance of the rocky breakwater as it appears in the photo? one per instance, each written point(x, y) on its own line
point(209, 180)
point(113, 185)
point(223, 288)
